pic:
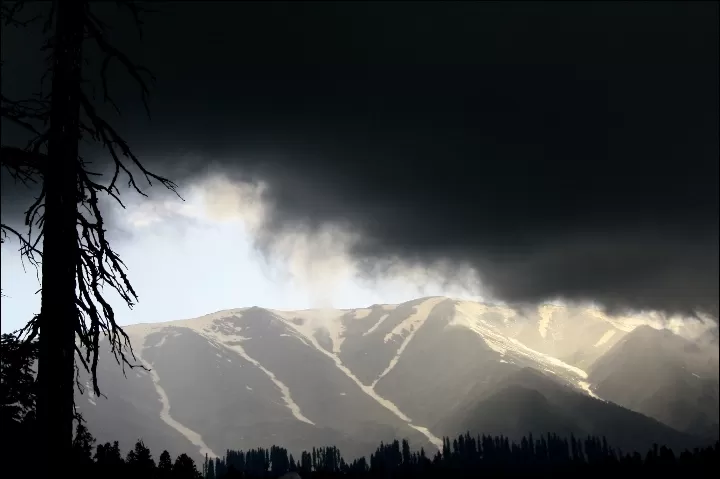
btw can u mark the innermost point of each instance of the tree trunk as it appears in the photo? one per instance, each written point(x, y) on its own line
point(58, 312)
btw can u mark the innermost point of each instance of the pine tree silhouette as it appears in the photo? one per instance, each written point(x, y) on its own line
point(165, 465)
point(140, 462)
point(210, 469)
point(184, 468)
point(82, 450)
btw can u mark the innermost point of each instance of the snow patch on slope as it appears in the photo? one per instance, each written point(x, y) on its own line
point(89, 389)
point(308, 321)
point(605, 338)
point(390, 406)
point(143, 329)
point(471, 316)
point(690, 328)
point(466, 315)
point(192, 436)
point(236, 348)
point(477, 310)
point(585, 386)
point(546, 311)
point(547, 359)
point(362, 313)
point(626, 324)
point(495, 345)
point(376, 325)
point(91, 393)
point(204, 326)
point(411, 324)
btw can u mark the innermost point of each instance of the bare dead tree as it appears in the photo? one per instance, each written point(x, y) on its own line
point(76, 258)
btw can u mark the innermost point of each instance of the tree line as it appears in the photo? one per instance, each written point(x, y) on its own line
point(465, 456)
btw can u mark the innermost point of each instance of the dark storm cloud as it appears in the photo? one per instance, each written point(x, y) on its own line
point(562, 149)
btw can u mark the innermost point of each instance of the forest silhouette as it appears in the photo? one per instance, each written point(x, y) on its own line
point(464, 456)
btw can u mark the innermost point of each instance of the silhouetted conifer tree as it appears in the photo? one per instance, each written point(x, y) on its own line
point(184, 468)
point(140, 462)
point(165, 465)
point(82, 444)
point(78, 265)
point(210, 469)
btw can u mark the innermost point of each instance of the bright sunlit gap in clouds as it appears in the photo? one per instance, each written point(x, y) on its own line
point(190, 258)
point(193, 257)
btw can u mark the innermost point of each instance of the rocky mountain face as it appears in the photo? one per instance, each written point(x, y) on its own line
point(664, 376)
point(529, 402)
point(419, 370)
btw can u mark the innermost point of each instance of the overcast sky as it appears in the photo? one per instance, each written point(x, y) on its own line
point(516, 151)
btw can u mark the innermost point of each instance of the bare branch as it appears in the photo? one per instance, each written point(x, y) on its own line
point(136, 10)
point(25, 165)
point(23, 160)
point(107, 135)
point(97, 266)
point(97, 33)
point(9, 14)
point(27, 248)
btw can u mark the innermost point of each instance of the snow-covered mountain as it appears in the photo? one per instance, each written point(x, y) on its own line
point(255, 377)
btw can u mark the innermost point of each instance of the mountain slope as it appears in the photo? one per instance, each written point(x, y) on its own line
point(679, 383)
point(255, 377)
point(248, 379)
point(130, 409)
point(528, 401)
